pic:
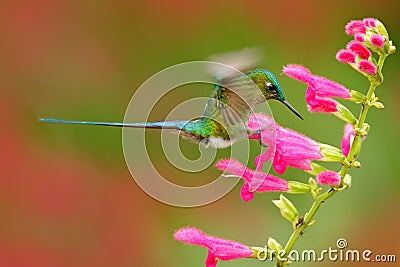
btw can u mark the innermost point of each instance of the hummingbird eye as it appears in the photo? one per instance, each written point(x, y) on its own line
point(271, 87)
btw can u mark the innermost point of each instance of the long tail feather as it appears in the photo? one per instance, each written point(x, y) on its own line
point(157, 124)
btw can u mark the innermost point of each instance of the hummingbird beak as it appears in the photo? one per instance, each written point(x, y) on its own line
point(292, 109)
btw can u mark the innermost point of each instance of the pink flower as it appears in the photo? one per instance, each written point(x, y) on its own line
point(355, 26)
point(369, 22)
point(347, 139)
point(261, 121)
point(265, 182)
point(288, 148)
point(359, 37)
point(319, 90)
point(298, 72)
point(367, 66)
point(359, 49)
point(319, 104)
point(328, 178)
point(378, 40)
point(369, 35)
point(217, 247)
point(346, 56)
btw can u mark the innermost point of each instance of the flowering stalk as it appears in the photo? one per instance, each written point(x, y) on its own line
point(288, 148)
point(375, 81)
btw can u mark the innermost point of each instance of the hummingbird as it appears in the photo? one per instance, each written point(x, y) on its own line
point(226, 112)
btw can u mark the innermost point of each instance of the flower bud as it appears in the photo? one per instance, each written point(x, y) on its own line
point(274, 245)
point(331, 153)
point(313, 184)
point(287, 209)
point(312, 222)
point(363, 131)
point(359, 49)
point(344, 114)
point(347, 180)
point(359, 37)
point(356, 164)
point(392, 48)
point(357, 96)
point(367, 67)
point(378, 40)
point(330, 178)
point(346, 56)
point(354, 27)
point(378, 105)
point(369, 22)
point(315, 190)
point(298, 188)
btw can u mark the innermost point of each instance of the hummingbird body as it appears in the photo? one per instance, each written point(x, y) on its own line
point(225, 115)
point(207, 131)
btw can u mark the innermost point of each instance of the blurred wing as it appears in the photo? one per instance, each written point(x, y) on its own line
point(232, 62)
point(232, 107)
point(235, 94)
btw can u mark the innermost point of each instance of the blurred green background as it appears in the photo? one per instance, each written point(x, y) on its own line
point(66, 196)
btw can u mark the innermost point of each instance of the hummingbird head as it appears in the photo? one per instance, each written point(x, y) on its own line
point(271, 89)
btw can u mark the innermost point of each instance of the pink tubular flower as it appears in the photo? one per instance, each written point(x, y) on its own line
point(367, 66)
point(320, 89)
point(359, 37)
point(377, 40)
point(346, 56)
point(347, 139)
point(291, 148)
point(369, 22)
point(319, 104)
point(355, 26)
point(267, 182)
point(217, 247)
point(359, 49)
point(328, 178)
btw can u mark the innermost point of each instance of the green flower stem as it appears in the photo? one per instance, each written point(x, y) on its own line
point(351, 157)
point(308, 217)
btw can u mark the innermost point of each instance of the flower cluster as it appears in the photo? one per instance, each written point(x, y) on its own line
point(369, 35)
point(288, 148)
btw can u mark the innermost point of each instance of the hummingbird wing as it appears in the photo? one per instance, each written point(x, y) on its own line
point(232, 102)
point(229, 64)
point(235, 94)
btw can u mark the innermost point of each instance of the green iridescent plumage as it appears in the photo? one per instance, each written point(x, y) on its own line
point(203, 128)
